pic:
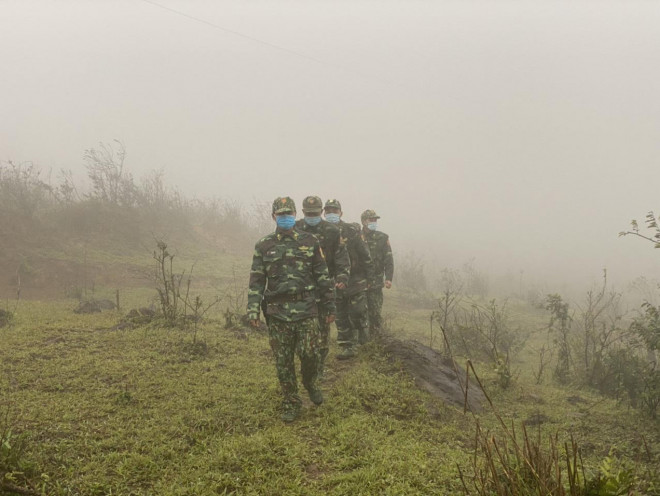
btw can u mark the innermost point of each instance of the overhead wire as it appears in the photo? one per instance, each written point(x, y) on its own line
point(268, 44)
point(236, 33)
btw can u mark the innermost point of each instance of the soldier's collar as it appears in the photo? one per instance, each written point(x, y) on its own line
point(281, 233)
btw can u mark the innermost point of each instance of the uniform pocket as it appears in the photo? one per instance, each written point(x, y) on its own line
point(273, 261)
point(304, 255)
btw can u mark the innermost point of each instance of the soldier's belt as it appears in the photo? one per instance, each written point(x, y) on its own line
point(287, 298)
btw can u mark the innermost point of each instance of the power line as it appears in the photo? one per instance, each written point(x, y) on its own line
point(268, 44)
point(236, 33)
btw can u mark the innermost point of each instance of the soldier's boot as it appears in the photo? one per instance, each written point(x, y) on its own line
point(346, 353)
point(316, 395)
point(290, 412)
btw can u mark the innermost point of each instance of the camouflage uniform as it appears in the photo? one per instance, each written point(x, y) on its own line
point(352, 323)
point(381, 253)
point(336, 256)
point(289, 273)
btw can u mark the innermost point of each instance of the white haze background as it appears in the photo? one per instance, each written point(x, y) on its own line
point(522, 135)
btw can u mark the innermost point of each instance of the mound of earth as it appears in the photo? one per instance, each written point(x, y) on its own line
point(434, 372)
point(94, 306)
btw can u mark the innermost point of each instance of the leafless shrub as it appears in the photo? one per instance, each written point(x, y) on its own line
point(445, 315)
point(105, 169)
point(178, 307)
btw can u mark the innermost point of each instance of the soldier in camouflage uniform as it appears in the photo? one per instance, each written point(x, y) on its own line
point(381, 253)
point(352, 323)
point(288, 275)
point(336, 256)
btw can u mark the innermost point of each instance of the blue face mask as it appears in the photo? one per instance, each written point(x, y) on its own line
point(285, 222)
point(334, 218)
point(313, 221)
point(373, 226)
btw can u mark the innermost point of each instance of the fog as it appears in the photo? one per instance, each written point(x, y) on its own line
point(521, 135)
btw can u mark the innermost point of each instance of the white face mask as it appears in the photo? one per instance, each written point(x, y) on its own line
point(373, 226)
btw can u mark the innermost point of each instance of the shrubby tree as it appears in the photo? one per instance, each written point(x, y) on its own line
point(22, 191)
point(472, 329)
point(560, 328)
point(651, 224)
point(105, 168)
point(593, 348)
point(647, 328)
point(445, 315)
point(599, 332)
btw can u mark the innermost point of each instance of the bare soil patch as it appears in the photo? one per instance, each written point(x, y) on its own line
point(434, 372)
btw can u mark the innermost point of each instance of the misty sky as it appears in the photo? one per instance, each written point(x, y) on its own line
point(522, 134)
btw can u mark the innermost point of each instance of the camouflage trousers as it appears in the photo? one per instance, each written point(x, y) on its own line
point(352, 321)
point(324, 340)
point(288, 339)
point(375, 302)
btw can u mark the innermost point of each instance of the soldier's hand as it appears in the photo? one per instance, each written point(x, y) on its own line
point(340, 285)
point(255, 323)
point(388, 284)
point(329, 319)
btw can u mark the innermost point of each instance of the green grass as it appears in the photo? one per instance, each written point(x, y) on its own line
point(144, 411)
point(148, 411)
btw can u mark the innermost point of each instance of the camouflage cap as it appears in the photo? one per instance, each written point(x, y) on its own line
point(283, 204)
point(333, 204)
point(312, 205)
point(369, 214)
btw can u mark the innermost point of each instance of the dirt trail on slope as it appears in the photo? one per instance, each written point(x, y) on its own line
point(434, 372)
point(431, 370)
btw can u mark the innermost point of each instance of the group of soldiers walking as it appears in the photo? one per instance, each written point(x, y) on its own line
point(310, 273)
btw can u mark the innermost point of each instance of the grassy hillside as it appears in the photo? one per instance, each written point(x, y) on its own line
point(94, 410)
point(95, 404)
point(89, 408)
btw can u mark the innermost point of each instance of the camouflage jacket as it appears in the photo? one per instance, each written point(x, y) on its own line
point(362, 267)
point(289, 273)
point(381, 253)
point(336, 255)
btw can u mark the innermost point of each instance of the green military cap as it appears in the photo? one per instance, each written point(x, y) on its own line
point(312, 205)
point(283, 204)
point(333, 204)
point(369, 214)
